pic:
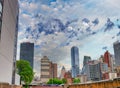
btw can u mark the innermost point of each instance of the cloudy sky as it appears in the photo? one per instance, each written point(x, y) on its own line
point(57, 25)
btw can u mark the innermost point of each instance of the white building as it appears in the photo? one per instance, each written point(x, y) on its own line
point(45, 69)
point(9, 11)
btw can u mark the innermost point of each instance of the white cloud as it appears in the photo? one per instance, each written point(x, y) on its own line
point(51, 44)
point(45, 7)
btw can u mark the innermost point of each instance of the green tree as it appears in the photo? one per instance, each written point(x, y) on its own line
point(54, 81)
point(64, 81)
point(76, 80)
point(25, 71)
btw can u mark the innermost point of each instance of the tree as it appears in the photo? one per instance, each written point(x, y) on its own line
point(76, 80)
point(25, 71)
point(64, 81)
point(54, 81)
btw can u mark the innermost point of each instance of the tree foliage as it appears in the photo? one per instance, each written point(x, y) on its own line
point(64, 81)
point(25, 71)
point(56, 81)
point(76, 80)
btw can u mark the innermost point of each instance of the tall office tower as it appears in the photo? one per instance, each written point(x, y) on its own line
point(86, 59)
point(53, 70)
point(9, 10)
point(27, 52)
point(75, 61)
point(45, 69)
point(62, 72)
point(116, 46)
point(107, 58)
point(85, 62)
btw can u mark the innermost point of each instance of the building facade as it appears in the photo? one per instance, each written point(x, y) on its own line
point(27, 52)
point(63, 70)
point(9, 12)
point(85, 62)
point(104, 67)
point(86, 59)
point(53, 70)
point(68, 77)
point(93, 71)
point(117, 52)
point(48, 69)
point(45, 69)
point(75, 61)
point(108, 58)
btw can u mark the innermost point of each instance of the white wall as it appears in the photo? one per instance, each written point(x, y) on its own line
point(10, 12)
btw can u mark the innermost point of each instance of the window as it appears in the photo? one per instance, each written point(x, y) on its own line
point(1, 10)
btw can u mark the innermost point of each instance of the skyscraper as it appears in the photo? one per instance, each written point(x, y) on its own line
point(85, 62)
point(9, 10)
point(86, 59)
point(75, 61)
point(116, 46)
point(27, 52)
point(107, 58)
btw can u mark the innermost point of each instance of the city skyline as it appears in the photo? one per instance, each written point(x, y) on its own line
point(57, 25)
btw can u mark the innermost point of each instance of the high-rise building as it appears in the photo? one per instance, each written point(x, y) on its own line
point(53, 70)
point(75, 61)
point(85, 62)
point(45, 69)
point(107, 58)
point(63, 70)
point(27, 52)
point(93, 70)
point(48, 69)
point(86, 59)
point(116, 46)
point(9, 11)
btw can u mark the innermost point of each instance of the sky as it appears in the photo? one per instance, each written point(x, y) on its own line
point(54, 26)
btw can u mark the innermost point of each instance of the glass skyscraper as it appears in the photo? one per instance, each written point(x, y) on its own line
point(27, 52)
point(75, 61)
point(117, 53)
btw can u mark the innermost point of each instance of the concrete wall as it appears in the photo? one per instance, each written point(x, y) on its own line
point(7, 41)
point(115, 83)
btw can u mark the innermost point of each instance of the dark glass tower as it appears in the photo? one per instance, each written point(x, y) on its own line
point(27, 52)
point(75, 61)
point(117, 53)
